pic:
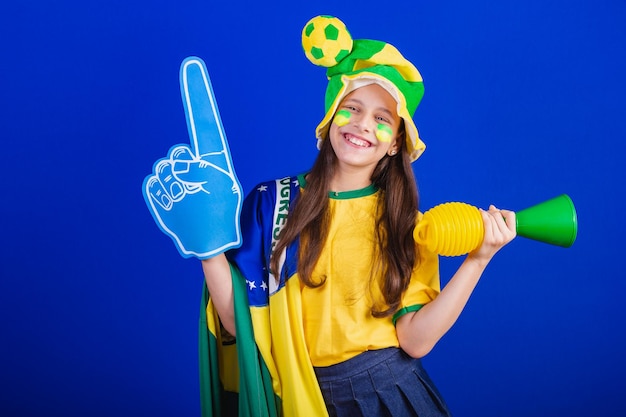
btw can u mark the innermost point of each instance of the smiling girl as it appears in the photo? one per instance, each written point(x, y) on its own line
point(336, 282)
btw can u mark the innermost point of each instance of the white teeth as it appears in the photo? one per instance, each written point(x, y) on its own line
point(358, 142)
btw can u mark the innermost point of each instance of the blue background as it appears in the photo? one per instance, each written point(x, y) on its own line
point(524, 101)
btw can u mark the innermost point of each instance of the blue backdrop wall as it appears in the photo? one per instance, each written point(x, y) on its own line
point(524, 101)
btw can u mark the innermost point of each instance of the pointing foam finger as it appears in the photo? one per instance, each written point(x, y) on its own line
point(203, 121)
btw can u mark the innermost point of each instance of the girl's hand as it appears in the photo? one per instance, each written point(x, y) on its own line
point(500, 229)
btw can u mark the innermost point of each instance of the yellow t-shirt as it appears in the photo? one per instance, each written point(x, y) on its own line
point(337, 320)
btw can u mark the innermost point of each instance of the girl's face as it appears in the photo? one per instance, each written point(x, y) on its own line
point(365, 127)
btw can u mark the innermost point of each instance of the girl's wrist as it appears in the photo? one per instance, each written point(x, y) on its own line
point(479, 262)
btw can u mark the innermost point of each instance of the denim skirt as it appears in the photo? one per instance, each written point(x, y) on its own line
point(385, 382)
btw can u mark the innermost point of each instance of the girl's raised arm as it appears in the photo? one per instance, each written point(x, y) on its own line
point(220, 284)
point(418, 332)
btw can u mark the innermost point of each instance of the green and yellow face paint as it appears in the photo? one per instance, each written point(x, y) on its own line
point(384, 133)
point(342, 118)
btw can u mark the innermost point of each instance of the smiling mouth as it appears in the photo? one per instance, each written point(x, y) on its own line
point(357, 141)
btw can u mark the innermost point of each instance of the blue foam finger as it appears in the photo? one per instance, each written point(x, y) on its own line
point(193, 194)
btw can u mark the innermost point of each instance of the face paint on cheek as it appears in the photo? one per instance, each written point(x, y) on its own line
point(342, 118)
point(383, 133)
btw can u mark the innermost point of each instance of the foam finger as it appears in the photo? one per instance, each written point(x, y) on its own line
point(172, 187)
point(154, 189)
point(203, 120)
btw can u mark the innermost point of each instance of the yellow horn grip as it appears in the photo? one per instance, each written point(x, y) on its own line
point(450, 229)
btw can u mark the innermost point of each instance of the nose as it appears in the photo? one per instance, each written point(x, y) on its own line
point(363, 123)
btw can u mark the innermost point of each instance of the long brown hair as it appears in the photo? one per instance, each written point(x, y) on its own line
point(309, 221)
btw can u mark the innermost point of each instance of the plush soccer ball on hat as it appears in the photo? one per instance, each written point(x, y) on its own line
point(326, 41)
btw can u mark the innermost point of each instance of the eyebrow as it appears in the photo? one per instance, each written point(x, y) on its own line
point(356, 100)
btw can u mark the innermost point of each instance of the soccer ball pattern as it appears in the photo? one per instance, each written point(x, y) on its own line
point(326, 41)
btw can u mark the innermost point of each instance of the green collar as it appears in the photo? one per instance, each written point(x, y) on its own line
point(343, 195)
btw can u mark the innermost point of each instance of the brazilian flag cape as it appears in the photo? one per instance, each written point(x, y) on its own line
point(266, 371)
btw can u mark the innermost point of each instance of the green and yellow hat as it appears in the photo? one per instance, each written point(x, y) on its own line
point(356, 63)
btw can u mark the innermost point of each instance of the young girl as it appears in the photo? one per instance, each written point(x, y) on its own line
point(336, 283)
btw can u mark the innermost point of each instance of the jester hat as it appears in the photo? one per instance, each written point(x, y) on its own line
point(356, 63)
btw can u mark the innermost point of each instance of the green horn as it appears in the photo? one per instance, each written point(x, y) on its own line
point(554, 221)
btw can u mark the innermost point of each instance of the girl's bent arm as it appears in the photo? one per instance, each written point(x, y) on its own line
point(220, 284)
point(418, 332)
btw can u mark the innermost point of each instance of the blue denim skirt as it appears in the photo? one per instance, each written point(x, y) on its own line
point(385, 382)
